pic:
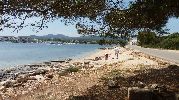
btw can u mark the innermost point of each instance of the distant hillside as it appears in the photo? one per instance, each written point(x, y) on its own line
point(49, 36)
point(64, 37)
point(88, 38)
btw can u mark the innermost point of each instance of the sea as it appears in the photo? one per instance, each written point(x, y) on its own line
point(16, 54)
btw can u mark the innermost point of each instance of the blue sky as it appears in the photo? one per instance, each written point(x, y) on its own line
point(173, 25)
point(57, 27)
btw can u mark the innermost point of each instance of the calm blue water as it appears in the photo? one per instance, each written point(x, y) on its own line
point(13, 54)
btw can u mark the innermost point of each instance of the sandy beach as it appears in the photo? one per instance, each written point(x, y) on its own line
point(62, 80)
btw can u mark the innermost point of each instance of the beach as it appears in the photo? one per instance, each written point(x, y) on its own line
point(65, 79)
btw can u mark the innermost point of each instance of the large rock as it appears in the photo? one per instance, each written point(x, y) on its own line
point(136, 93)
point(47, 63)
point(177, 96)
point(8, 83)
point(141, 94)
point(112, 84)
point(39, 72)
point(22, 78)
point(40, 78)
point(173, 66)
point(49, 76)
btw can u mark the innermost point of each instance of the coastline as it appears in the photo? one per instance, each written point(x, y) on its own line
point(10, 73)
point(32, 77)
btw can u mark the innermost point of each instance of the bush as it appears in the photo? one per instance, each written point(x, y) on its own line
point(170, 43)
point(149, 39)
point(72, 69)
point(121, 42)
point(146, 38)
point(111, 75)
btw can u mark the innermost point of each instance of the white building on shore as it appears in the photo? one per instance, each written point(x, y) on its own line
point(133, 41)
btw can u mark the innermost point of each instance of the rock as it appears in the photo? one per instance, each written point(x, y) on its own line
point(79, 98)
point(39, 71)
point(141, 94)
point(8, 71)
point(30, 89)
point(177, 96)
point(22, 78)
point(86, 64)
point(154, 86)
point(2, 88)
point(69, 59)
point(112, 84)
point(8, 83)
point(50, 76)
point(24, 92)
point(136, 93)
point(40, 78)
point(17, 85)
point(158, 88)
point(141, 84)
point(58, 61)
point(97, 58)
point(173, 66)
point(32, 78)
point(47, 63)
point(162, 88)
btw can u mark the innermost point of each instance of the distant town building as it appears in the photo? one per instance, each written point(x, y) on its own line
point(7, 38)
point(19, 39)
point(25, 39)
point(133, 41)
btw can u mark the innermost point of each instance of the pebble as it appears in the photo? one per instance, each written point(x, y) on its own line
point(112, 84)
point(40, 78)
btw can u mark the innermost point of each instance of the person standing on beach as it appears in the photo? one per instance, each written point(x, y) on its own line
point(106, 56)
point(116, 52)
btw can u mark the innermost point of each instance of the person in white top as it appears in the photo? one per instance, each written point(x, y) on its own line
point(116, 50)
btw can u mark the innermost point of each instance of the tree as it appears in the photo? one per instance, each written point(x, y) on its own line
point(47, 10)
point(170, 42)
point(109, 15)
point(146, 38)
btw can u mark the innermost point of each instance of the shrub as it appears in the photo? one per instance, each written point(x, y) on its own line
point(72, 69)
point(121, 42)
point(149, 39)
point(111, 75)
point(68, 70)
point(146, 38)
point(170, 43)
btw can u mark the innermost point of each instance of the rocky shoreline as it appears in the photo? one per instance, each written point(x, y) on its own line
point(29, 76)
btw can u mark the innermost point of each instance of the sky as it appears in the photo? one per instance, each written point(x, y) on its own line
point(173, 25)
point(58, 27)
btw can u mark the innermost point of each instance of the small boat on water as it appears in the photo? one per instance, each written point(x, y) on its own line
point(54, 43)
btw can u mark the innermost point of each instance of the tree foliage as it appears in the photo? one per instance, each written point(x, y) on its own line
point(107, 16)
point(170, 42)
point(146, 38)
point(149, 39)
